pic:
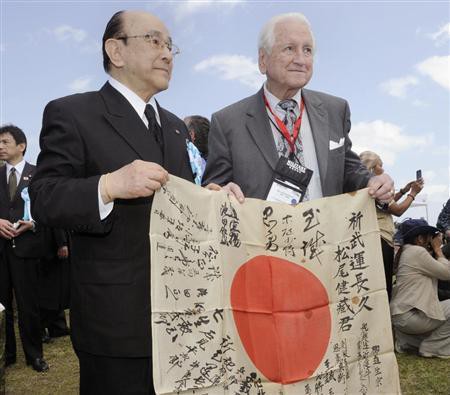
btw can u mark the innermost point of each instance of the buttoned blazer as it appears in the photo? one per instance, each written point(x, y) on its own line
point(30, 244)
point(242, 148)
point(84, 136)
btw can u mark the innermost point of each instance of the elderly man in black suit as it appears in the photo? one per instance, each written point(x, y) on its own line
point(21, 246)
point(103, 155)
point(248, 138)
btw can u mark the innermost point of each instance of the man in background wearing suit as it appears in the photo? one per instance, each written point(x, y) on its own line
point(103, 155)
point(248, 138)
point(21, 246)
point(54, 286)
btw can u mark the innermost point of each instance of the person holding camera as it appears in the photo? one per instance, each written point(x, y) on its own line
point(419, 319)
point(443, 221)
point(385, 210)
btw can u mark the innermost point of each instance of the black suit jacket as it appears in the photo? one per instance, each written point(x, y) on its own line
point(84, 136)
point(30, 244)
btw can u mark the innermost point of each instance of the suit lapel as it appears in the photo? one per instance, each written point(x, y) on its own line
point(127, 123)
point(258, 125)
point(4, 194)
point(174, 143)
point(318, 119)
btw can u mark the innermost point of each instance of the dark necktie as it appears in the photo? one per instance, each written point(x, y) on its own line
point(153, 124)
point(12, 183)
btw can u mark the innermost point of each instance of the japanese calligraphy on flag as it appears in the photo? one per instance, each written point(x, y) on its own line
point(266, 298)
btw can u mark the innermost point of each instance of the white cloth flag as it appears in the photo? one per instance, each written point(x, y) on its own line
point(266, 298)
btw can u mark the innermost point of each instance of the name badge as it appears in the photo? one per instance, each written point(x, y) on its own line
point(289, 183)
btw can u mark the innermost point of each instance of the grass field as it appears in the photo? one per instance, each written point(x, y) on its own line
point(418, 376)
point(62, 378)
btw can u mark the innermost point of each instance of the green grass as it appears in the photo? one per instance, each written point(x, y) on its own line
point(62, 378)
point(421, 376)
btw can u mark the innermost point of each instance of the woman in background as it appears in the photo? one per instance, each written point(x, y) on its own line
point(385, 211)
point(420, 320)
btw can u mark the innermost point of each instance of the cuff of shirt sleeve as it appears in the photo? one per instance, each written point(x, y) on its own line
point(103, 209)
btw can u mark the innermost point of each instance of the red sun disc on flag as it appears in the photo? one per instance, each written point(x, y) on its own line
point(282, 316)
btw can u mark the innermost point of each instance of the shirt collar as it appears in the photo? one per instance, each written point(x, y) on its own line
point(136, 102)
point(19, 168)
point(273, 100)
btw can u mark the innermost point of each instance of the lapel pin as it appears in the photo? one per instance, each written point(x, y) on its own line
point(177, 131)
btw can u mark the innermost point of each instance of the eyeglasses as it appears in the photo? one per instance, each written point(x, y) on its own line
point(156, 42)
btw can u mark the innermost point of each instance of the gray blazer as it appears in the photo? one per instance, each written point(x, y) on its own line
point(242, 148)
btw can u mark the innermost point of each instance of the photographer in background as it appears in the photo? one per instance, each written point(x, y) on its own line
point(420, 320)
point(443, 222)
point(385, 211)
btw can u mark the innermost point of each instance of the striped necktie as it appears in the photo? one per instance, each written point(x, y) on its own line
point(290, 118)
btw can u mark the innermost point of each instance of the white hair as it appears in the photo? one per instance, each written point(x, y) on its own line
point(266, 38)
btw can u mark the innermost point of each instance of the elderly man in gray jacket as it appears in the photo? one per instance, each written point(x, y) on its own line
point(248, 138)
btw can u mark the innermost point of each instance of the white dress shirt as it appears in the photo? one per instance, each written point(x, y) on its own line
point(306, 136)
point(136, 102)
point(19, 171)
point(139, 106)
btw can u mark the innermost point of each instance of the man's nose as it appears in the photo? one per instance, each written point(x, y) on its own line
point(300, 57)
point(167, 55)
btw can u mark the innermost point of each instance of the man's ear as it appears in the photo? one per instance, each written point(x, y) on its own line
point(262, 58)
point(114, 50)
point(22, 147)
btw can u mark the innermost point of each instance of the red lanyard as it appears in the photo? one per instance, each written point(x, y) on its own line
point(282, 127)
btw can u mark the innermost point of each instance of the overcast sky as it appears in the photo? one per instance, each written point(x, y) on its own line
point(390, 60)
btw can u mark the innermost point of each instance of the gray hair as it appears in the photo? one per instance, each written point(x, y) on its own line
point(266, 37)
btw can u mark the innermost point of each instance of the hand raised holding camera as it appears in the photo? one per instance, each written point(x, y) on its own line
point(436, 243)
point(417, 186)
